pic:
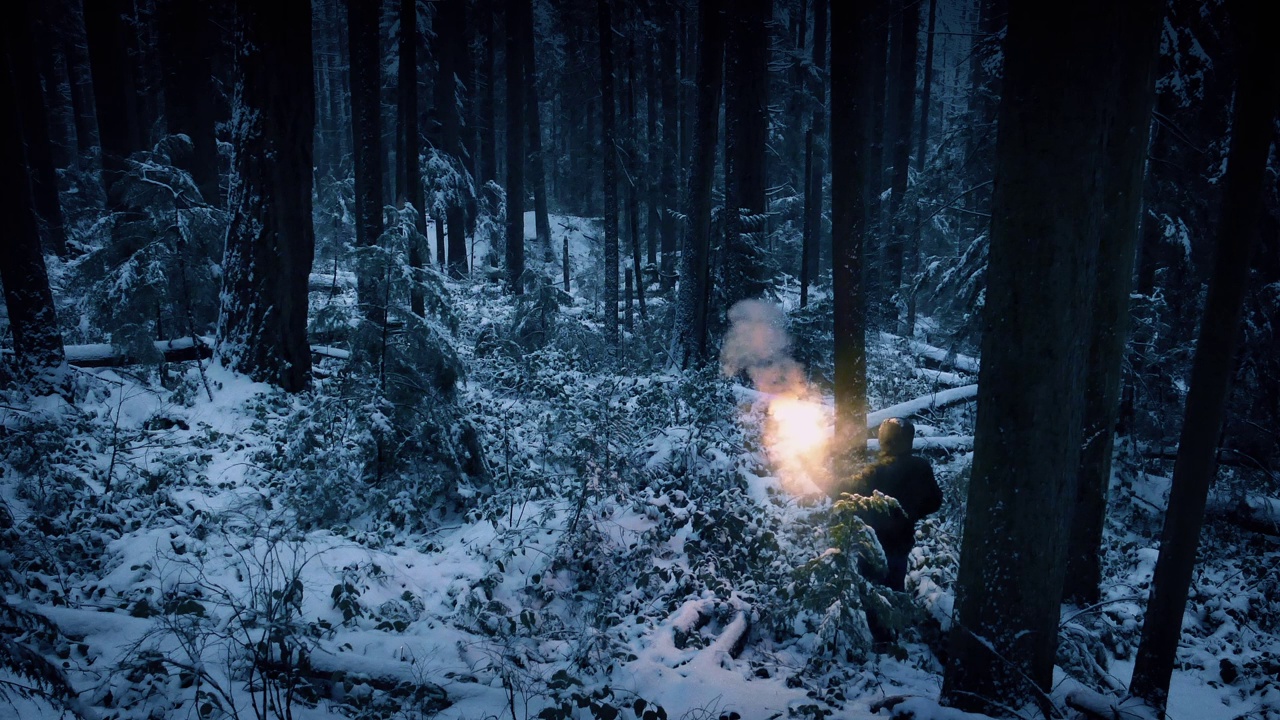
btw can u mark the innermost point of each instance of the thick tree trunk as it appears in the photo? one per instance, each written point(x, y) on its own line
point(1045, 224)
point(515, 149)
point(187, 36)
point(1252, 124)
point(366, 131)
point(33, 320)
point(34, 123)
point(691, 310)
point(1133, 90)
point(746, 127)
point(262, 330)
point(852, 28)
point(609, 158)
point(902, 95)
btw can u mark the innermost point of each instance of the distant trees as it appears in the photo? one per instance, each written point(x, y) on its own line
point(515, 147)
point(262, 330)
point(187, 41)
point(366, 128)
point(610, 163)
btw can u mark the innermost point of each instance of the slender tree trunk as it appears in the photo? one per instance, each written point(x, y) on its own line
point(817, 174)
point(746, 106)
point(632, 148)
point(451, 19)
point(922, 150)
point(1044, 240)
point(37, 341)
point(81, 78)
point(609, 155)
point(366, 130)
point(852, 25)
point(515, 150)
point(873, 244)
point(691, 311)
point(653, 162)
point(806, 239)
point(1252, 128)
point(670, 151)
point(408, 171)
point(187, 40)
point(488, 162)
point(902, 96)
point(262, 330)
point(1133, 88)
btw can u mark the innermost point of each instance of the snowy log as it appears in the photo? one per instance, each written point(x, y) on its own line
point(932, 401)
point(1253, 512)
point(936, 356)
point(104, 355)
point(929, 445)
point(1096, 706)
point(331, 282)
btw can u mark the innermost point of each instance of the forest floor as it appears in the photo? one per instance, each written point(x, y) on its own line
point(632, 547)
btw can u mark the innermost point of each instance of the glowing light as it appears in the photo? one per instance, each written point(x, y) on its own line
point(797, 435)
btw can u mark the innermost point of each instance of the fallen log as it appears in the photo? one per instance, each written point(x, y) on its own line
point(924, 403)
point(1255, 513)
point(935, 355)
point(101, 355)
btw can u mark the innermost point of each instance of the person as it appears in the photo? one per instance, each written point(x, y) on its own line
point(905, 478)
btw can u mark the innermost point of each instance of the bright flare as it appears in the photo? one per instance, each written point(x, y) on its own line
point(797, 437)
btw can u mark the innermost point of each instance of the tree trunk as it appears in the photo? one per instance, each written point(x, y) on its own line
point(852, 25)
point(873, 244)
point(262, 330)
point(922, 150)
point(515, 149)
point(609, 158)
point(488, 161)
point(1253, 116)
point(366, 131)
point(113, 85)
point(33, 320)
point(670, 150)
point(537, 164)
point(33, 119)
point(691, 310)
point(1133, 88)
point(1044, 239)
point(187, 36)
point(902, 96)
point(746, 126)
point(633, 174)
point(653, 151)
point(408, 171)
point(817, 174)
point(451, 20)
point(806, 238)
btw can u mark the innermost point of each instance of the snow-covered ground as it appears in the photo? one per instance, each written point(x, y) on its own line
point(627, 550)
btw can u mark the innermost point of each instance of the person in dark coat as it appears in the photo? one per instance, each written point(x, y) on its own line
point(905, 478)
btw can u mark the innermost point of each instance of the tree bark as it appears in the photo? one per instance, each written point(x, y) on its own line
point(670, 151)
point(902, 95)
point(187, 42)
point(33, 118)
point(262, 330)
point(852, 27)
point(694, 296)
point(537, 164)
point(33, 320)
point(1044, 239)
point(488, 161)
point(746, 127)
point(366, 131)
point(1253, 116)
point(515, 150)
point(1133, 88)
point(451, 19)
point(817, 174)
point(113, 85)
point(922, 150)
point(609, 158)
point(632, 148)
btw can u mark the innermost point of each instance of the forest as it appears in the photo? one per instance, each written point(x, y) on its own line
point(639, 360)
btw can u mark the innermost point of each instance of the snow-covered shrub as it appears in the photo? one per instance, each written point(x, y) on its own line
point(156, 269)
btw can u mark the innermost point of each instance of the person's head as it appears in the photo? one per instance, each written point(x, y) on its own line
point(896, 436)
